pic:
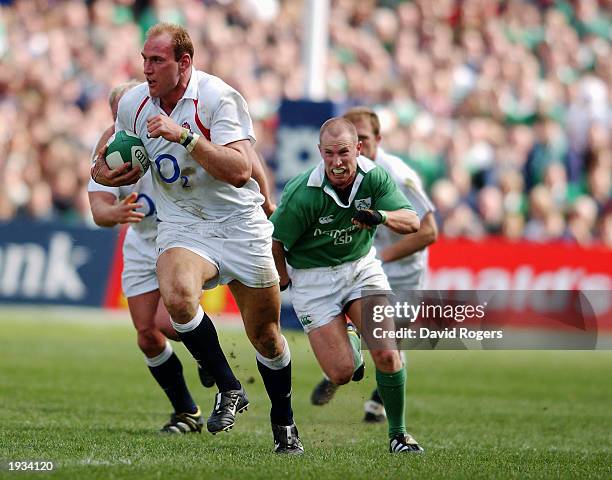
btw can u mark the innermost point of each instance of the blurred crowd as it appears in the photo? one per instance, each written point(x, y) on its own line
point(504, 107)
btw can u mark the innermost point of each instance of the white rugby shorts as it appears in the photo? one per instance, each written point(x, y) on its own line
point(320, 294)
point(415, 280)
point(139, 258)
point(240, 248)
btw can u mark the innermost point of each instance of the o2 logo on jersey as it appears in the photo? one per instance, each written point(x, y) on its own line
point(169, 170)
point(148, 202)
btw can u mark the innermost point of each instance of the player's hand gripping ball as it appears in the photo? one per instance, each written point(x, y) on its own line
point(126, 147)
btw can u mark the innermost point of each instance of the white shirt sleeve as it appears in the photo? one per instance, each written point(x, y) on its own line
point(96, 187)
point(231, 120)
point(419, 200)
point(123, 116)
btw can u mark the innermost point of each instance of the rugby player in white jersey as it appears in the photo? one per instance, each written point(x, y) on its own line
point(199, 136)
point(134, 205)
point(323, 229)
point(404, 257)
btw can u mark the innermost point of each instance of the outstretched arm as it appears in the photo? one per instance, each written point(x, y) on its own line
point(108, 212)
point(400, 221)
point(409, 244)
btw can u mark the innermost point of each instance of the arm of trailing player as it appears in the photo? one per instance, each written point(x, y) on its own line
point(278, 252)
point(427, 234)
point(402, 221)
point(108, 212)
point(389, 199)
point(409, 244)
point(260, 176)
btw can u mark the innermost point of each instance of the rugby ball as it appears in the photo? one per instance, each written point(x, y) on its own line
point(126, 147)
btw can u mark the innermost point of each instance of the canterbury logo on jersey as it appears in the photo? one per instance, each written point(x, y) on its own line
point(327, 219)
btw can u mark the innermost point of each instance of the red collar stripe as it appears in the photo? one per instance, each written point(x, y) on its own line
point(205, 131)
point(143, 103)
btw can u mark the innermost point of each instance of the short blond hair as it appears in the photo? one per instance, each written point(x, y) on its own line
point(181, 41)
point(356, 113)
point(117, 92)
point(337, 125)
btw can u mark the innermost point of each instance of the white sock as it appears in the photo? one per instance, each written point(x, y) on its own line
point(279, 362)
point(163, 357)
point(191, 324)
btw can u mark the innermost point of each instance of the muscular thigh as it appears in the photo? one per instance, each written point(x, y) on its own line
point(182, 272)
point(330, 344)
point(260, 311)
point(143, 309)
point(360, 312)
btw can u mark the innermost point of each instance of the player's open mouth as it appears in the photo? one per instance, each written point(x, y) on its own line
point(338, 171)
point(151, 83)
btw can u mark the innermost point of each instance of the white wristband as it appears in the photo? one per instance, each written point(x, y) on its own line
point(191, 145)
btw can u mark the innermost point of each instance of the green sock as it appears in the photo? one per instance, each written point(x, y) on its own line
point(355, 342)
point(391, 387)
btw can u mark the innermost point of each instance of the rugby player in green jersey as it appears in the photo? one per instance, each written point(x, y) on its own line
point(323, 232)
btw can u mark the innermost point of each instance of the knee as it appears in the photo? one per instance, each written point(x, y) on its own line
point(267, 340)
point(167, 329)
point(170, 333)
point(181, 304)
point(386, 360)
point(151, 342)
point(341, 373)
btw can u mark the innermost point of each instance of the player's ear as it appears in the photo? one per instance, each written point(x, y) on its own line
point(185, 63)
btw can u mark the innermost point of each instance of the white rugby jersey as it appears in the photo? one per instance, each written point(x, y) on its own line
point(147, 228)
point(412, 186)
point(184, 192)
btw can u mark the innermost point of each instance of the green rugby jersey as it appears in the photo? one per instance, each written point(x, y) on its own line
point(314, 225)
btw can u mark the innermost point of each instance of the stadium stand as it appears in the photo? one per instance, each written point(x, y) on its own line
point(504, 107)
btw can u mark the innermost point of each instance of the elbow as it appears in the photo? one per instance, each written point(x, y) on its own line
point(97, 218)
point(429, 230)
point(103, 223)
point(431, 236)
point(240, 181)
point(240, 178)
point(100, 219)
point(413, 224)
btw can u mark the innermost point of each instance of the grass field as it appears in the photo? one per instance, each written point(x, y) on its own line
point(78, 393)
